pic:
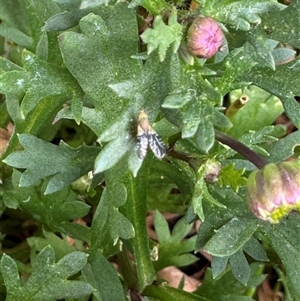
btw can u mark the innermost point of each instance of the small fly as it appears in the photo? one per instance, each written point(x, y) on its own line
point(147, 136)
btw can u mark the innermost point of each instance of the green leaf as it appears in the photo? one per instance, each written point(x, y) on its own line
point(162, 36)
point(205, 232)
point(54, 210)
point(61, 246)
point(16, 36)
point(6, 66)
point(76, 107)
point(76, 231)
point(117, 191)
point(42, 48)
point(107, 42)
point(161, 227)
point(173, 248)
point(63, 162)
point(66, 19)
point(153, 7)
point(218, 265)
point(230, 177)
point(285, 85)
point(218, 217)
point(121, 226)
point(181, 230)
point(191, 119)
point(292, 110)
point(260, 110)
point(240, 267)
point(113, 152)
point(126, 221)
point(254, 248)
point(259, 141)
point(103, 277)
point(214, 289)
point(8, 14)
point(267, 134)
point(239, 13)
point(277, 25)
point(178, 173)
point(48, 280)
point(178, 99)
point(198, 197)
point(239, 61)
point(198, 113)
point(38, 80)
point(109, 224)
point(199, 117)
point(231, 237)
point(284, 238)
point(164, 292)
point(93, 3)
point(100, 232)
point(205, 135)
point(283, 54)
point(26, 29)
point(38, 12)
point(90, 117)
point(146, 90)
point(10, 277)
point(265, 52)
point(34, 122)
point(134, 163)
point(148, 93)
point(284, 148)
point(263, 49)
point(234, 202)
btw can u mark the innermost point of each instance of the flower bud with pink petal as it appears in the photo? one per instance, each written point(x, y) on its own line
point(274, 190)
point(204, 37)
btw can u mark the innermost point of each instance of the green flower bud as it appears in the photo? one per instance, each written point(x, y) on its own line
point(274, 190)
point(204, 37)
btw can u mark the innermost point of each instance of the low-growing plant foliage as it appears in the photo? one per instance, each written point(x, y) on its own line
point(74, 194)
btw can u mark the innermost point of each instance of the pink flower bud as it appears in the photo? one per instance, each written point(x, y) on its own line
point(212, 171)
point(204, 37)
point(274, 191)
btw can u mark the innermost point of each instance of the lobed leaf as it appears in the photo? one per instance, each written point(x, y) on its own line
point(38, 80)
point(61, 162)
point(103, 277)
point(230, 177)
point(284, 238)
point(285, 89)
point(48, 280)
point(173, 248)
point(54, 210)
point(162, 36)
point(107, 41)
point(277, 25)
point(241, 14)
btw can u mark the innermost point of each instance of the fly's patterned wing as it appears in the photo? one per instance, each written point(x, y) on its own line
point(156, 145)
point(142, 145)
point(147, 136)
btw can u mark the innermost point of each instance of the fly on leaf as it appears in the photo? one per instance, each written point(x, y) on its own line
point(146, 136)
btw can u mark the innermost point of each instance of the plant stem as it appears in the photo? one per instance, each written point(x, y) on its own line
point(242, 149)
